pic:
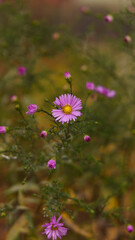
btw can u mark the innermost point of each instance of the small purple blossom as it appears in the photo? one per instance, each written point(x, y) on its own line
point(67, 75)
point(2, 129)
point(13, 98)
point(110, 93)
point(108, 18)
point(100, 89)
point(90, 85)
point(32, 108)
point(105, 91)
point(52, 164)
point(127, 39)
point(21, 70)
point(54, 229)
point(87, 138)
point(43, 134)
point(130, 228)
point(68, 108)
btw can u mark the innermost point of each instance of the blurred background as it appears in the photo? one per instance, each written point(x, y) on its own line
point(48, 38)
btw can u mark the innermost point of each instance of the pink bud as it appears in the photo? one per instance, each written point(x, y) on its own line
point(127, 39)
point(43, 134)
point(13, 98)
point(108, 18)
point(22, 70)
point(87, 138)
point(130, 228)
point(67, 75)
point(3, 129)
point(90, 86)
point(52, 164)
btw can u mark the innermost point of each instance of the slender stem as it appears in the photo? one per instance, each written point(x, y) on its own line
point(41, 110)
point(70, 87)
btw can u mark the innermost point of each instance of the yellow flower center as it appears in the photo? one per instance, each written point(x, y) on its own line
point(67, 109)
point(54, 228)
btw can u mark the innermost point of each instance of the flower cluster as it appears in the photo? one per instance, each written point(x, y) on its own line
point(101, 90)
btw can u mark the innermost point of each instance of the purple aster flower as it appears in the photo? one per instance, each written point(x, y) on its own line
point(110, 93)
point(2, 129)
point(69, 107)
point(108, 18)
point(127, 39)
point(67, 75)
point(52, 164)
point(13, 98)
point(105, 91)
point(43, 134)
point(54, 229)
point(21, 70)
point(90, 86)
point(100, 89)
point(130, 228)
point(87, 138)
point(32, 108)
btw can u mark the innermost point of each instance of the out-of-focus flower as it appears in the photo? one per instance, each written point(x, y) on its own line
point(67, 75)
point(43, 134)
point(84, 68)
point(52, 164)
point(87, 138)
point(14, 98)
point(3, 129)
point(90, 85)
point(130, 228)
point(69, 107)
point(105, 91)
point(55, 36)
point(110, 93)
point(54, 229)
point(100, 89)
point(108, 18)
point(127, 39)
point(85, 9)
point(32, 108)
point(22, 70)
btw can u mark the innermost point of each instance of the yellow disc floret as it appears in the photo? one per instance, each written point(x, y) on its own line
point(67, 109)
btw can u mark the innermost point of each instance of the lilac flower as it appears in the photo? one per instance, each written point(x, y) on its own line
point(54, 229)
point(100, 89)
point(13, 98)
point(105, 91)
point(21, 70)
point(110, 93)
point(127, 39)
point(52, 164)
point(90, 86)
point(2, 129)
point(87, 138)
point(67, 75)
point(32, 108)
point(108, 18)
point(69, 107)
point(130, 228)
point(43, 134)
